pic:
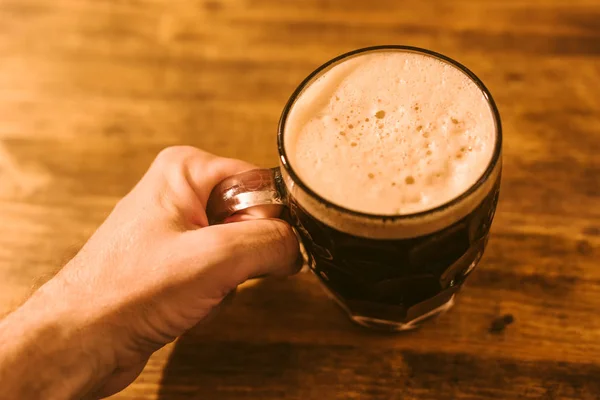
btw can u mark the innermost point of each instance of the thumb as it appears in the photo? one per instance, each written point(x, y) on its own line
point(235, 252)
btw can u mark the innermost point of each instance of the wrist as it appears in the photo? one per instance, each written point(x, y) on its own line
point(48, 352)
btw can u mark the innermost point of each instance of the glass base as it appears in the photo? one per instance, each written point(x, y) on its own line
point(387, 325)
point(391, 326)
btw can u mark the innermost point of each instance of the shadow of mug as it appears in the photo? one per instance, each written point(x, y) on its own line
point(267, 342)
point(284, 339)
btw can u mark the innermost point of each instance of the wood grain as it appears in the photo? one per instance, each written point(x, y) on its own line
point(91, 90)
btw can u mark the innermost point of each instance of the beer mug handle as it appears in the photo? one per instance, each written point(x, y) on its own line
point(247, 189)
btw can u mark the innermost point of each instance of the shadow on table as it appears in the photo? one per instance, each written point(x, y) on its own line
point(259, 346)
point(284, 339)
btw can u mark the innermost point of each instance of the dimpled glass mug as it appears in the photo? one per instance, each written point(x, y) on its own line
point(387, 272)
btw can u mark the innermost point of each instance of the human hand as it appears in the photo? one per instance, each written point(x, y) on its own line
point(153, 270)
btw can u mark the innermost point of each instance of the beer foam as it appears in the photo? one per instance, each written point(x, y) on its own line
point(390, 133)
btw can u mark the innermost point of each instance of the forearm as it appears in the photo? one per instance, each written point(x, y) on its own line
point(44, 354)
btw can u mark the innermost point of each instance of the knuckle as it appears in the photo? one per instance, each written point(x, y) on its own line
point(172, 155)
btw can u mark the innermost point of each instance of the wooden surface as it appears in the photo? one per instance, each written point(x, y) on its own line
point(90, 90)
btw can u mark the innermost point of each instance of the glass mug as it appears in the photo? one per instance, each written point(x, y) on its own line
point(386, 272)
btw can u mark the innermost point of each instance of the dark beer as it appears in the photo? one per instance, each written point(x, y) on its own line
point(395, 280)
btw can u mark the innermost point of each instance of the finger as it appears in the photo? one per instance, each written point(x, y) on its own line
point(226, 302)
point(182, 177)
point(118, 381)
point(202, 170)
point(232, 253)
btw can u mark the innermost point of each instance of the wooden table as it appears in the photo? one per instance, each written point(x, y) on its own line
point(90, 90)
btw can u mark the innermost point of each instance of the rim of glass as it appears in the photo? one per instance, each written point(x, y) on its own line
point(317, 72)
